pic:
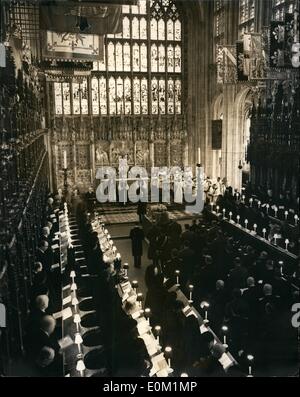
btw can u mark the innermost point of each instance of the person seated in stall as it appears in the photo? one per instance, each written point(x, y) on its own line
point(43, 256)
point(40, 282)
point(237, 315)
point(155, 298)
point(45, 360)
point(42, 335)
point(238, 276)
point(90, 199)
point(174, 263)
point(38, 311)
point(46, 234)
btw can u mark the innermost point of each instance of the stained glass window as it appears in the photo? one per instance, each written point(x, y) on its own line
point(170, 96)
point(136, 96)
point(58, 98)
point(103, 98)
point(127, 95)
point(162, 96)
point(280, 7)
point(136, 58)
point(95, 95)
point(154, 95)
point(76, 98)
point(141, 69)
point(247, 14)
point(84, 97)
point(112, 95)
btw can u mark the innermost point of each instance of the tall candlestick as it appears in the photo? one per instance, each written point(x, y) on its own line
point(199, 155)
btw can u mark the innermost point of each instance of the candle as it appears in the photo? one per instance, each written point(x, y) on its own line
point(217, 209)
point(205, 305)
point(296, 219)
point(191, 287)
point(224, 212)
point(157, 330)
point(254, 227)
point(212, 206)
point(259, 204)
point(80, 367)
point(78, 341)
point(286, 215)
point(199, 155)
point(72, 275)
point(267, 208)
point(246, 223)
point(147, 313)
point(65, 160)
point(243, 198)
point(75, 303)
point(287, 241)
point(275, 238)
point(250, 358)
point(168, 352)
point(238, 219)
point(281, 266)
point(140, 299)
point(135, 285)
point(230, 215)
point(275, 211)
point(177, 273)
point(77, 321)
point(250, 201)
point(126, 267)
point(264, 232)
point(224, 329)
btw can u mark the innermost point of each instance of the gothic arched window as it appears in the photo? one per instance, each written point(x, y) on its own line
point(141, 71)
point(143, 66)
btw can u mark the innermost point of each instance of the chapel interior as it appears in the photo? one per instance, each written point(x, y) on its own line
point(94, 95)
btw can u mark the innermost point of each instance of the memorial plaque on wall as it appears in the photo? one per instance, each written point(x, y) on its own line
point(216, 128)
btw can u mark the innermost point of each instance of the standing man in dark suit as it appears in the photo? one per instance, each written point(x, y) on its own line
point(137, 237)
